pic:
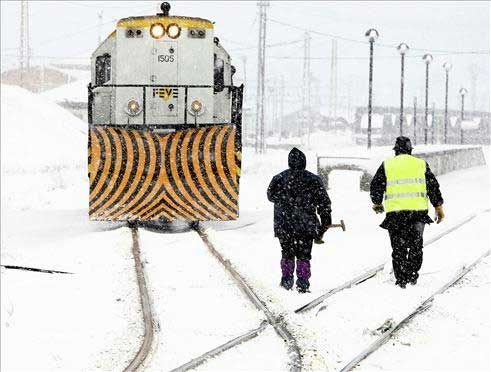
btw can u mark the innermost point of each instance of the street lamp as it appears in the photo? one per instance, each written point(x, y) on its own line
point(427, 58)
point(462, 93)
point(372, 35)
point(447, 66)
point(402, 48)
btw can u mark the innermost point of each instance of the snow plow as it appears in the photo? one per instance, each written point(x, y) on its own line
point(165, 123)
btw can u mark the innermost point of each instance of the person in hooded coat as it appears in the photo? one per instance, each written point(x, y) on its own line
point(298, 196)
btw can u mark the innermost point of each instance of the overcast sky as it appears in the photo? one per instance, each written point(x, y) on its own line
point(452, 31)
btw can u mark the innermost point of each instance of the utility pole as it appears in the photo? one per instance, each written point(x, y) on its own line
point(25, 52)
point(433, 124)
point(334, 79)
point(99, 27)
point(372, 35)
point(447, 66)
point(244, 66)
point(415, 121)
point(473, 71)
point(261, 68)
point(282, 103)
point(402, 48)
point(307, 122)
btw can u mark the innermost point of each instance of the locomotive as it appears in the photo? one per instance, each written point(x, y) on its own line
point(165, 123)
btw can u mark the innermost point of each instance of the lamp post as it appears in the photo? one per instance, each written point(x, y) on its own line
point(462, 93)
point(427, 58)
point(415, 120)
point(402, 48)
point(447, 66)
point(371, 35)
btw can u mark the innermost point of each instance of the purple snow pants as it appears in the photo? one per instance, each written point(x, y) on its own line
point(301, 250)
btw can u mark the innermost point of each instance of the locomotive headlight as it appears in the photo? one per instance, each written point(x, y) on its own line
point(196, 106)
point(157, 30)
point(173, 30)
point(133, 107)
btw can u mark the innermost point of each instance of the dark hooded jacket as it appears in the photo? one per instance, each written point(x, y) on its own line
point(298, 196)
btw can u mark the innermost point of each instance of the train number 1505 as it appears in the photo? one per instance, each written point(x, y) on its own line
point(166, 58)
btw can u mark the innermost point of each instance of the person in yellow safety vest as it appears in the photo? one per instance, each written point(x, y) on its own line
point(405, 183)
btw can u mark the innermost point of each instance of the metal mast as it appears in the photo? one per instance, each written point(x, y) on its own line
point(307, 122)
point(334, 79)
point(281, 109)
point(25, 52)
point(99, 27)
point(261, 67)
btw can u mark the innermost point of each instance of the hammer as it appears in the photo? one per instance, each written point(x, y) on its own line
point(341, 225)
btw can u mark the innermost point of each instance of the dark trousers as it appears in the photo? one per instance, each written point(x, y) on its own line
point(300, 248)
point(407, 250)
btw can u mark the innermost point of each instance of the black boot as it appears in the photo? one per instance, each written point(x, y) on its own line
point(287, 282)
point(303, 285)
point(414, 279)
point(401, 283)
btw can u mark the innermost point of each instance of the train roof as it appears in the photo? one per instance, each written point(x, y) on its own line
point(147, 21)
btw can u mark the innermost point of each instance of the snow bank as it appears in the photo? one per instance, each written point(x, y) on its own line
point(37, 134)
point(43, 149)
point(73, 92)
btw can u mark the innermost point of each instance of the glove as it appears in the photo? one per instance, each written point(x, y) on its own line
point(318, 238)
point(439, 215)
point(378, 208)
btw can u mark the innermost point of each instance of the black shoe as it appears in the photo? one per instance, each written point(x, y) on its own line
point(302, 290)
point(401, 283)
point(413, 281)
point(287, 283)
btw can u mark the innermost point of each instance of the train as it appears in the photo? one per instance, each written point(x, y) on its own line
point(165, 123)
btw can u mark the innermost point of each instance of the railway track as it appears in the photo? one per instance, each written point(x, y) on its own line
point(140, 359)
point(148, 319)
point(370, 273)
point(277, 322)
point(424, 305)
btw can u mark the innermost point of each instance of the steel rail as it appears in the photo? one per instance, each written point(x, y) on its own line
point(422, 307)
point(148, 320)
point(370, 273)
point(193, 363)
point(277, 322)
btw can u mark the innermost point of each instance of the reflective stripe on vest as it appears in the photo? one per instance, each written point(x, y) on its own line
point(406, 195)
point(406, 180)
point(406, 184)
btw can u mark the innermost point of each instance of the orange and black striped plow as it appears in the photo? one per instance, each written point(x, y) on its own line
point(190, 175)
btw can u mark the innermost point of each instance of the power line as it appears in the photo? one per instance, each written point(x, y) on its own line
point(283, 43)
point(99, 6)
point(483, 53)
point(334, 36)
point(78, 32)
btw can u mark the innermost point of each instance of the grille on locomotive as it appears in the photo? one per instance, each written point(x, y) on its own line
point(164, 123)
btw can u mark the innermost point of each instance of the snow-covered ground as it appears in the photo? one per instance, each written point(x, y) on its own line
point(86, 320)
point(328, 342)
point(91, 319)
point(43, 151)
point(458, 322)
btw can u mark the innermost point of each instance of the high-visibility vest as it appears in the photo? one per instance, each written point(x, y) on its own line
point(406, 184)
